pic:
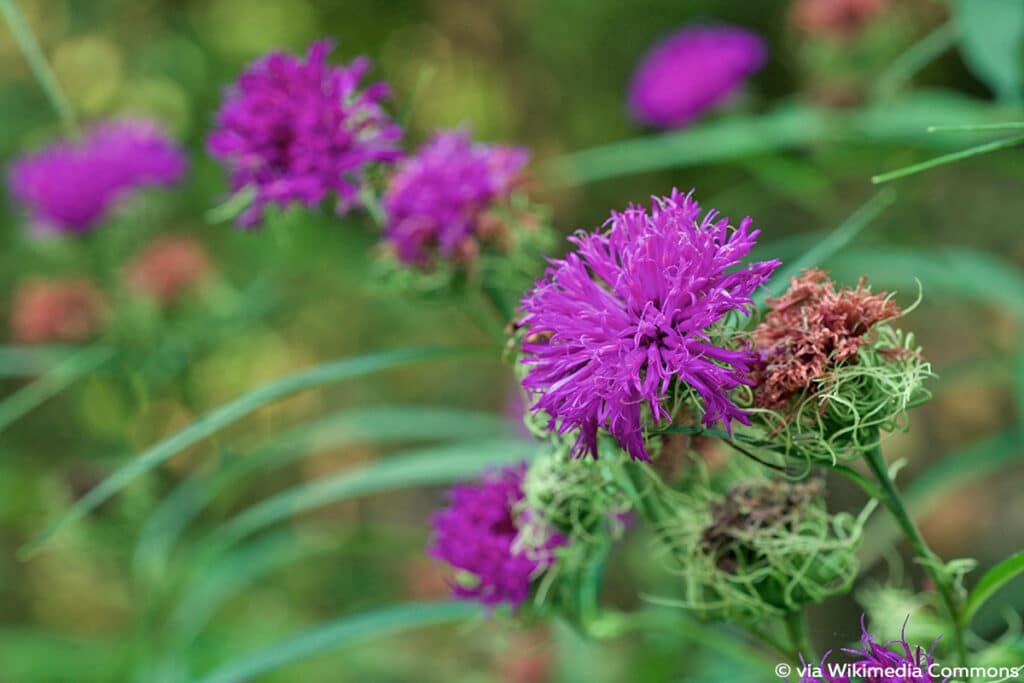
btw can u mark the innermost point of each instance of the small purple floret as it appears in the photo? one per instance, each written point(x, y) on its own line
point(298, 129)
point(614, 324)
point(691, 71)
point(436, 197)
point(69, 187)
point(479, 533)
point(876, 660)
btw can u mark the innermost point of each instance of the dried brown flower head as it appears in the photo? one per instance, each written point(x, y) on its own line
point(809, 329)
point(752, 506)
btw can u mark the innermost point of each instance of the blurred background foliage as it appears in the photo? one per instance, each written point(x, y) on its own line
point(128, 594)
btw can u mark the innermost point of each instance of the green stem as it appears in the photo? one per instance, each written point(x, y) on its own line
point(774, 643)
point(928, 559)
point(33, 54)
point(796, 628)
point(993, 146)
point(916, 57)
point(859, 479)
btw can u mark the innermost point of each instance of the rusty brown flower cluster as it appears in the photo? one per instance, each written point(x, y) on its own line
point(168, 267)
point(69, 310)
point(836, 19)
point(810, 329)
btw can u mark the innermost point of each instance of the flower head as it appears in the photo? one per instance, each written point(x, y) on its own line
point(837, 19)
point(168, 267)
point(877, 663)
point(692, 71)
point(809, 329)
point(437, 198)
point(56, 311)
point(69, 187)
point(613, 325)
point(479, 534)
point(297, 129)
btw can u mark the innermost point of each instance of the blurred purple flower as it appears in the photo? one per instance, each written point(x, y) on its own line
point(876, 661)
point(297, 129)
point(479, 533)
point(612, 325)
point(691, 71)
point(68, 187)
point(436, 197)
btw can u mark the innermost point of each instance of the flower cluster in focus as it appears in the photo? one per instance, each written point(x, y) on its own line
point(614, 326)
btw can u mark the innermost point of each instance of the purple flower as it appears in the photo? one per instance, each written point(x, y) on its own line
point(297, 129)
point(68, 187)
point(691, 71)
point(877, 663)
point(479, 533)
point(435, 199)
point(613, 325)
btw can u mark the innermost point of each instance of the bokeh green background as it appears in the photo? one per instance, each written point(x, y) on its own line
point(549, 75)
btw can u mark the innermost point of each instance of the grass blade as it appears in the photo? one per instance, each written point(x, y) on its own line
point(993, 146)
point(235, 410)
point(994, 579)
point(915, 58)
point(374, 624)
point(245, 566)
point(382, 425)
point(32, 361)
point(725, 140)
point(33, 54)
point(833, 242)
point(63, 375)
point(977, 127)
point(419, 467)
point(790, 126)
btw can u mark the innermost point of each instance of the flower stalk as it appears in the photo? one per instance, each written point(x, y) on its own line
point(36, 59)
point(929, 560)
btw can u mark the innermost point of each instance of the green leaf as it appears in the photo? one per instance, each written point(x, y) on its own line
point(344, 631)
point(956, 271)
point(419, 467)
point(992, 581)
point(236, 571)
point(790, 126)
point(32, 361)
point(232, 206)
point(833, 242)
point(28, 657)
point(724, 140)
point(919, 55)
point(382, 425)
point(237, 409)
point(992, 43)
point(63, 375)
point(978, 127)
